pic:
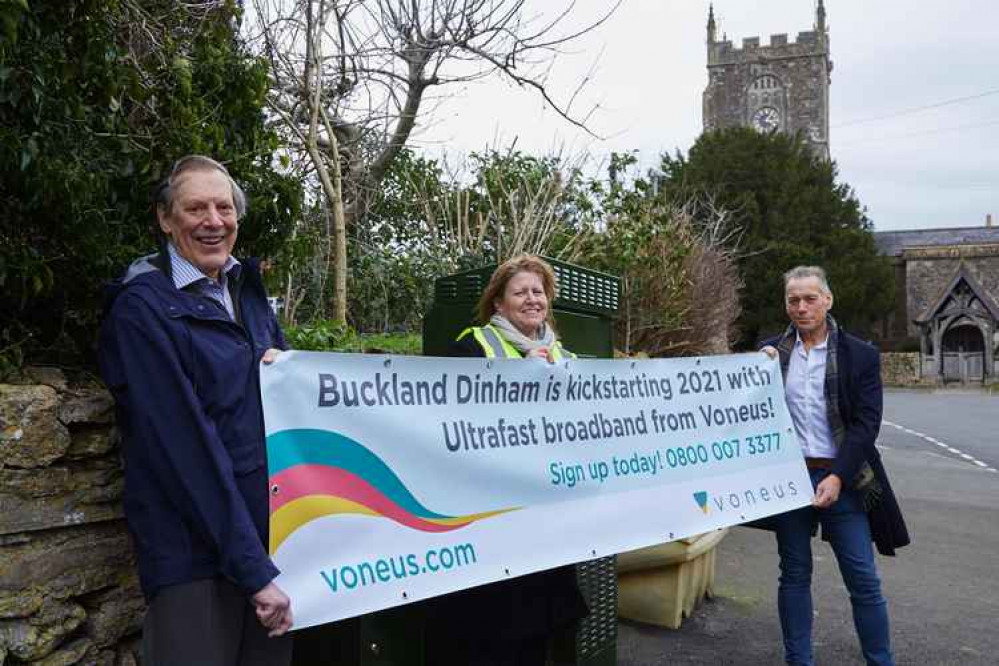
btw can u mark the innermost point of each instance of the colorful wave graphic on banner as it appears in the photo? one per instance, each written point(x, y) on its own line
point(316, 473)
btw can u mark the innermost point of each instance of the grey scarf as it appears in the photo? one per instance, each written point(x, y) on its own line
point(524, 344)
point(864, 481)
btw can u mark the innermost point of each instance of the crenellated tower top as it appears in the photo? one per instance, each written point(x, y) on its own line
point(812, 42)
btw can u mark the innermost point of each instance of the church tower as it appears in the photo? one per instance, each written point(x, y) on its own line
point(781, 86)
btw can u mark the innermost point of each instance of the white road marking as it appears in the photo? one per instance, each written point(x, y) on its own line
point(943, 445)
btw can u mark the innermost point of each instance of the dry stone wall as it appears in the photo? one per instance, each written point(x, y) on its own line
point(901, 369)
point(69, 593)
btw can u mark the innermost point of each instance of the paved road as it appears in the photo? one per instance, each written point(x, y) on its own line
point(943, 590)
point(961, 425)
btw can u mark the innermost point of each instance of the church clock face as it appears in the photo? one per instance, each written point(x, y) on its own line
point(766, 119)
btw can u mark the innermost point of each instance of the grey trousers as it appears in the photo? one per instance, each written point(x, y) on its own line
point(208, 623)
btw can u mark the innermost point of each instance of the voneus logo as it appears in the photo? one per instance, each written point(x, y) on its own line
point(741, 500)
point(701, 497)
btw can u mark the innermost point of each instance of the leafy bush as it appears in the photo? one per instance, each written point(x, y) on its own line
point(410, 344)
point(330, 335)
point(97, 99)
point(322, 335)
point(679, 284)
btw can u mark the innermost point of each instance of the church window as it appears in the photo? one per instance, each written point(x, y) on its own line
point(766, 82)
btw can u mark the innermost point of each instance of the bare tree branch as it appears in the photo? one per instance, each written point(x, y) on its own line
point(350, 77)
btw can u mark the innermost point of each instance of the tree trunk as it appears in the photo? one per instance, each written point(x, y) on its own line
point(332, 183)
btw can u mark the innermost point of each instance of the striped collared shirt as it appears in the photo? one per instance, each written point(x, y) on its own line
point(186, 274)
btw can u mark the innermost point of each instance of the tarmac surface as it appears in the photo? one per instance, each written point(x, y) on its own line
point(942, 590)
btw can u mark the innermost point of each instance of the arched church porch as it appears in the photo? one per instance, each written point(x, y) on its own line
point(958, 334)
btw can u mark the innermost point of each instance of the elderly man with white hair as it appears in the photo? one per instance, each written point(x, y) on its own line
point(181, 342)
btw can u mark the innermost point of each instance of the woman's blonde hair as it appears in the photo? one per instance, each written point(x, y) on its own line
point(522, 263)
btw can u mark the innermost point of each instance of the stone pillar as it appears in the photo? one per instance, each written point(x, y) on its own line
point(924, 349)
point(938, 347)
point(983, 329)
point(988, 363)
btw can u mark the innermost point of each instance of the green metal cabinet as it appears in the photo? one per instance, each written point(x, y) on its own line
point(585, 304)
point(392, 637)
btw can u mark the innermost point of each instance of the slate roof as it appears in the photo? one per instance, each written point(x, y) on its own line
point(892, 243)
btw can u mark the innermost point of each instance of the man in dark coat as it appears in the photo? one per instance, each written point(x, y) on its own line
point(832, 383)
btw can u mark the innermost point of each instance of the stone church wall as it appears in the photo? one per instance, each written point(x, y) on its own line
point(69, 593)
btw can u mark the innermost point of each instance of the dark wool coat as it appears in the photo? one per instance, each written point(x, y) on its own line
point(860, 405)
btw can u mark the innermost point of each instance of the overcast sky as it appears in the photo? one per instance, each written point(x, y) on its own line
point(934, 168)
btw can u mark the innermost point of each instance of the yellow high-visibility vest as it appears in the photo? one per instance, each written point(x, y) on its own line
point(495, 345)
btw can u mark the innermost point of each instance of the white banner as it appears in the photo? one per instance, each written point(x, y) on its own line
point(395, 479)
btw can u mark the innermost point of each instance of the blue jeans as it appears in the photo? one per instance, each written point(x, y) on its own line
point(845, 525)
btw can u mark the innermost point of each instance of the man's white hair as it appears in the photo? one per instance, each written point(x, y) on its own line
point(805, 272)
point(164, 195)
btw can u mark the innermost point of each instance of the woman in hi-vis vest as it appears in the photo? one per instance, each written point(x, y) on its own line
point(509, 623)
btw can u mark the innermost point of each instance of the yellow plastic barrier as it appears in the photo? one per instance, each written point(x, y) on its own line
point(663, 584)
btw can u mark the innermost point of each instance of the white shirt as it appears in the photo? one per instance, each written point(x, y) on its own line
point(806, 400)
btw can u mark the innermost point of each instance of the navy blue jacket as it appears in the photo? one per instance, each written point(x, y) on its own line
point(860, 405)
point(186, 384)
